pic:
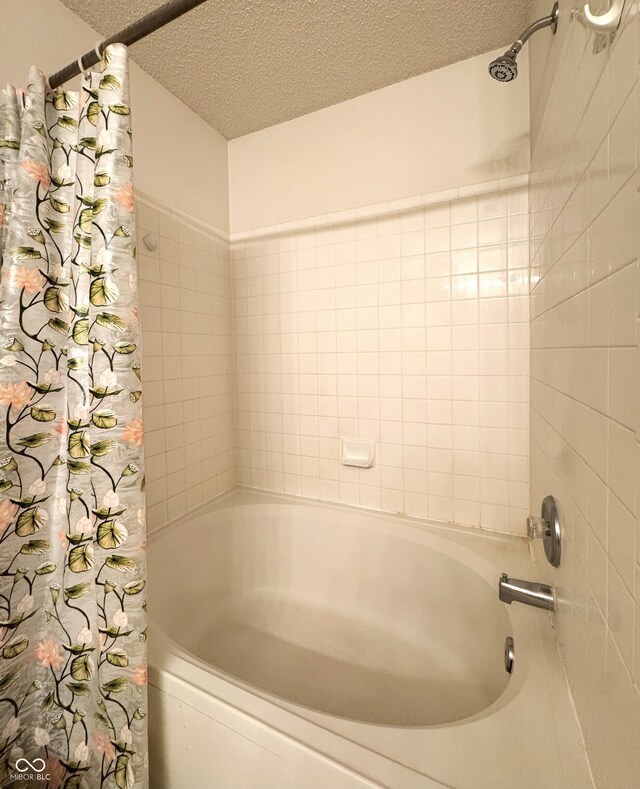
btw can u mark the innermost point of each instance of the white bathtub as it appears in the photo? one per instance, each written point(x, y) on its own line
point(304, 645)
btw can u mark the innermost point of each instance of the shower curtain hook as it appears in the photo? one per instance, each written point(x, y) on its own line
point(81, 69)
point(96, 49)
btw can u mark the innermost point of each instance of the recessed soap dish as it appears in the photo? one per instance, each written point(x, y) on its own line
point(358, 453)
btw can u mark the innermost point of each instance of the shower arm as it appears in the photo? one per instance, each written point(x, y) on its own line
point(546, 21)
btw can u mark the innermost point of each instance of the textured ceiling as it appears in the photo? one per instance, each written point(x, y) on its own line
point(244, 65)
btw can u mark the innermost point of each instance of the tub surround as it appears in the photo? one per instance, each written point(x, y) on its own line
point(405, 324)
point(585, 244)
point(185, 313)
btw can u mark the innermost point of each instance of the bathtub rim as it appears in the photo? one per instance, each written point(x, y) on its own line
point(417, 521)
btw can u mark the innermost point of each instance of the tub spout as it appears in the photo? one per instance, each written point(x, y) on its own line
point(529, 592)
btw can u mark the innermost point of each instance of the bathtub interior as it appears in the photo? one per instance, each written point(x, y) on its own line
point(311, 606)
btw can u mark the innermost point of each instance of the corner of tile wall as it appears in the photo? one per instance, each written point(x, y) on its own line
point(187, 369)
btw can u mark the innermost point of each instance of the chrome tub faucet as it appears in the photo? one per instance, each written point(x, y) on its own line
point(530, 592)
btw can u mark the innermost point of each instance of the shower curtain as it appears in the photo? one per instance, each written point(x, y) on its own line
point(72, 513)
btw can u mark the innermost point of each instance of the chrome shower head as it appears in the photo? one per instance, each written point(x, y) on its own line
point(505, 68)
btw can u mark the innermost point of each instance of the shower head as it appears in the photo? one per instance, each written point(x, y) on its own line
point(505, 68)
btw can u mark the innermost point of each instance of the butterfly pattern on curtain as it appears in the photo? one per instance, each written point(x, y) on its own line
point(72, 512)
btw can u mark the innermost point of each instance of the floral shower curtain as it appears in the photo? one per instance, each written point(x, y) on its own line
point(72, 572)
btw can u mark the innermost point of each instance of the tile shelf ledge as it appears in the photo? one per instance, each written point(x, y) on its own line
point(383, 209)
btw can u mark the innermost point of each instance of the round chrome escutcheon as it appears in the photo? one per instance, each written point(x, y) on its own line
point(552, 535)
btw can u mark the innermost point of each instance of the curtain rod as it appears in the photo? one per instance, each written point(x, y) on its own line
point(143, 27)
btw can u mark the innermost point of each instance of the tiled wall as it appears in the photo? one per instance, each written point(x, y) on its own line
point(585, 226)
point(185, 297)
point(405, 328)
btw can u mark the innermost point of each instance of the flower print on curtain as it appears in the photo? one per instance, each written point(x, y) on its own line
point(72, 530)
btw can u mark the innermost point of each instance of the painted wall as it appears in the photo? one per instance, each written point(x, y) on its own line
point(585, 243)
point(179, 159)
point(448, 128)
